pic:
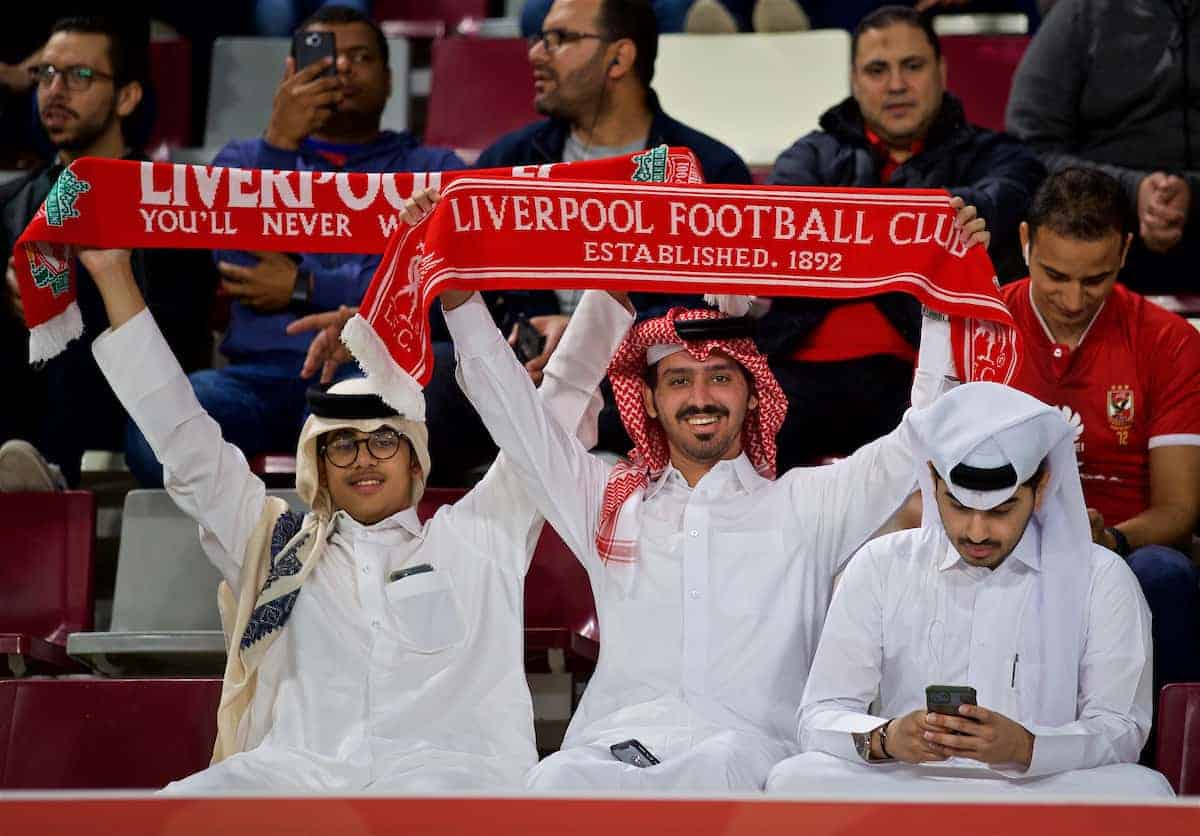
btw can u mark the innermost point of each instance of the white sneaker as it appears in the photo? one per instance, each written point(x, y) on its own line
point(709, 17)
point(779, 16)
point(22, 468)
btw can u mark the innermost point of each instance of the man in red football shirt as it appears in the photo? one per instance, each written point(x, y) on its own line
point(1126, 374)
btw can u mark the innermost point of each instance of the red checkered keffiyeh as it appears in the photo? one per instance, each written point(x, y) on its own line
point(616, 537)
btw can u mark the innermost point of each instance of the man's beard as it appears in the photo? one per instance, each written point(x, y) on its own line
point(85, 133)
point(709, 449)
point(583, 109)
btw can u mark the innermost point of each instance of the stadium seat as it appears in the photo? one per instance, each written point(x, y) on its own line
point(92, 733)
point(46, 577)
point(165, 616)
point(246, 73)
point(482, 88)
point(449, 12)
point(171, 74)
point(979, 71)
point(1177, 753)
point(757, 93)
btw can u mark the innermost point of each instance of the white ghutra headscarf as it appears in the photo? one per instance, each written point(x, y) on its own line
point(985, 440)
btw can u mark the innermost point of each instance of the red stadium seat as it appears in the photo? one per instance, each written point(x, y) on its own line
point(1178, 749)
point(171, 74)
point(559, 612)
point(481, 89)
point(980, 70)
point(449, 12)
point(90, 733)
point(45, 576)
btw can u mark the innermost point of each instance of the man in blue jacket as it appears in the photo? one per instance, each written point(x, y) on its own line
point(317, 123)
point(849, 365)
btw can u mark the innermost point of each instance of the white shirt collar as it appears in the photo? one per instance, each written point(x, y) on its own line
point(405, 520)
point(745, 476)
point(1028, 550)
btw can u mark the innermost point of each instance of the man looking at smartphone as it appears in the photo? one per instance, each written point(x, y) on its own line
point(1002, 590)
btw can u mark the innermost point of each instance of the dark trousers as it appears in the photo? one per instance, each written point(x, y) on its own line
point(1171, 583)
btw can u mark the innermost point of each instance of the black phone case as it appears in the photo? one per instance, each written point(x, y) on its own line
point(945, 699)
point(310, 47)
point(633, 753)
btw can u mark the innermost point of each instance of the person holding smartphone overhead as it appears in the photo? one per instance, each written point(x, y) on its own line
point(327, 116)
point(994, 649)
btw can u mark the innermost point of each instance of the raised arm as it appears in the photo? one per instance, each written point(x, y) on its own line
point(565, 482)
point(207, 478)
point(500, 506)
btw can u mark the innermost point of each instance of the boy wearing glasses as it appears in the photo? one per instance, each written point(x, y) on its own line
point(89, 84)
point(367, 651)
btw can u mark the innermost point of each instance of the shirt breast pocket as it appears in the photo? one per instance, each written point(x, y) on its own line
point(747, 568)
point(426, 611)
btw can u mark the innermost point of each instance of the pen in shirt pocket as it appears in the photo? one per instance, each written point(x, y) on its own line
point(419, 569)
point(1016, 658)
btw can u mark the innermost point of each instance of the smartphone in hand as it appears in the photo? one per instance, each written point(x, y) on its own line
point(945, 699)
point(310, 48)
point(530, 343)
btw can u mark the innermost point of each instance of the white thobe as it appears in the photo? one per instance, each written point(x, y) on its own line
point(909, 612)
point(705, 640)
point(412, 685)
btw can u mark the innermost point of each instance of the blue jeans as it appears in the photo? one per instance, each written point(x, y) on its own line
point(1171, 584)
point(259, 406)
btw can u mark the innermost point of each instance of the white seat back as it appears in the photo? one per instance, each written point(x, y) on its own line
point(757, 93)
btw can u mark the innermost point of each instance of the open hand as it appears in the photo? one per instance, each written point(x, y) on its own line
point(326, 352)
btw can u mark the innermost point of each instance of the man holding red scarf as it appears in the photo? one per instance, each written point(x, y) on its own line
point(711, 576)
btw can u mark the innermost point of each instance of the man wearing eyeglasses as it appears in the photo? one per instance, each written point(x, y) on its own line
point(89, 81)
point(369, 650)
point(593, 62)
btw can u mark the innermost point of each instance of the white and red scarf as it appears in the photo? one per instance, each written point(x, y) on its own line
point(130, 204)
point(639, 222)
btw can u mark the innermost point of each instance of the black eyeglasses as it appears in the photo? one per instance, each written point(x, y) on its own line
point(552, 39)
point(77, 77)
point(342, 449)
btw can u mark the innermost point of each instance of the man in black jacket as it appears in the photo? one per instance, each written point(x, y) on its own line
point(593, 63)
point(847, 367)
point(89, 82)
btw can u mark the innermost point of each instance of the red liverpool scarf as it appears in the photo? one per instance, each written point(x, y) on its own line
point(506, 232)
point(122, 203)
point(680, 238)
